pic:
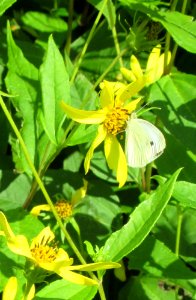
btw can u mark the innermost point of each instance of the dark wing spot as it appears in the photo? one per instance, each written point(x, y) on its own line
point(152, 143)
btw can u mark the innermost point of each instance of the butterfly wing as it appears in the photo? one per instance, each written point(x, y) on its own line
point(144, 142)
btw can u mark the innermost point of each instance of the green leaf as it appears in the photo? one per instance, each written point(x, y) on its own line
point(108, 11)
point(140, 224)
point(155, 258)
point(15, 190)
point(64, 290)
point(185, 192)
point(175, 94)
point(55, 88)
point(43, 22)
point(5, 4)
point(22, 82)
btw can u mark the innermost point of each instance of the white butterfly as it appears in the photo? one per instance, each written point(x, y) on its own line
point(143, 143)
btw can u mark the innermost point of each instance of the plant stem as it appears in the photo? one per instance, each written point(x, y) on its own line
point(148, 177)
point(179, 227)
point(79, 61)
point(114, 33)
point(109, 68)
point(69, 30)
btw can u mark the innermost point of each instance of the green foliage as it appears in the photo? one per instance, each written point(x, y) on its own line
point(52, 52)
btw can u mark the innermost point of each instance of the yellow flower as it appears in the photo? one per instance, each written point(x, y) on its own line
point(10, 290)
point(112, 118)
point(154, 68)
point(63, 207)
point(44, 253)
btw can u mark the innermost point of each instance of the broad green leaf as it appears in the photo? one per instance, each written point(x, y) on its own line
point(181, 27)
point(43, 22)
point(145, 287)
point(108, 11)
point(5, 4)
point(55, 88)
point(156, 259)
point(185, 192)
point(175, 94)
point(14, 190)
point(22, 82)
point(64, 290)
point(140, 224)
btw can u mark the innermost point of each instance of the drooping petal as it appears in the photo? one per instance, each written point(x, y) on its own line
point(79, 194)
point(84, 116)
point(152, 63)
point(17, 243)
point(131, 106)
point(107, 94)
point(76, 278)
point(31, 293)
point(96, 266)
point(128, 74)
point(10, 290)
point(135, 67)
point(161, 65)
point(116, 158)
point(130, 90)
point(44, 237)
point(38, 208)
point(20, 246)
point(97, 141)
point(5, 226)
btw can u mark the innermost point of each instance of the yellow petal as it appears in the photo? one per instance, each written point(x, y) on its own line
point(152, 64)
point(31, 293)
point(36, 209)
point(84, 116)
point(128, 74)
point(131, 106)
point(97, 141)
point(116, 158)
point(19, 245)
point(135, 67)
point(96, 266)
point(130, 90)
point(107, 94)
point(76, 278)
point(161, 65)
point(5, 226)
point(44, 237)
point(10, 290)
point(80, 193)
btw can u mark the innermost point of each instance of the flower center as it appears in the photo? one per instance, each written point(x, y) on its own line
point(44, 253)
point(116, 120)
point(63, 208)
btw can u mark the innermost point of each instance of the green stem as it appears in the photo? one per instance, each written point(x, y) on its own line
point(69, 30)
point(114, 33)
point(39, 181)
point(174, 4)
point(148, 177)
point(184, 6)
point(79, 61)
point(179, 227)
point(109, 68)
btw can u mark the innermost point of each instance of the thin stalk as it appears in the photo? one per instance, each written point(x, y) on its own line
point(143, 179)
point(114, 33)
point(184, 6)
point(109, 68)
point(174, 4)
point(69, 23)
point(79, 61)
point(117, 46)
point(148, 177)
point(178, 231)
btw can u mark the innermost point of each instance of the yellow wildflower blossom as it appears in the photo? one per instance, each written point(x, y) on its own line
point(63, 207)
point(112, 119)
point(44, 253)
